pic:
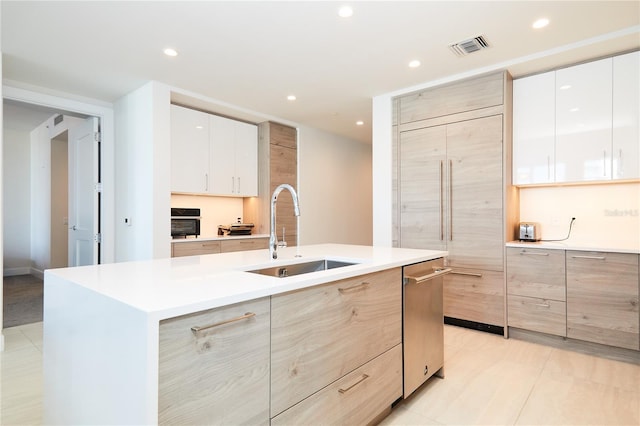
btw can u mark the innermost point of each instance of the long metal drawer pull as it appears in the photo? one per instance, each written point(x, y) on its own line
point(528, 253)
point(248, 315)
point(435, 273)
point(588, 257)
point(441, 200)
point(358, 287)
point(543, 305)
point(471, 274)
point(450, 200)
point(362, 379)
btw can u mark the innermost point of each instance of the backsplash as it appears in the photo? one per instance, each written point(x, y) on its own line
point(213, 210)
point(606, 215)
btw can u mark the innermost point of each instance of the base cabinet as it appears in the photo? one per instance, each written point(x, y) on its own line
point(602, 298)
point(474, 295)
point(220, 373)
point(355, 399)
point(195, 248)
point(321, 334)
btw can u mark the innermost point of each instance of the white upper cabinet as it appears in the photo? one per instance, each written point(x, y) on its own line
point(583, 122)
point(626, 114)
point(189, 150)
point(534, 129)
point(578, 124)
point(234, 157)
point(213, 155)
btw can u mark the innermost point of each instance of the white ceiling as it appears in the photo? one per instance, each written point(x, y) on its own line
point(254, 54)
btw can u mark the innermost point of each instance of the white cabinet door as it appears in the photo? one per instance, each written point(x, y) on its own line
point(189, 150)
point(583, 122)
point(246, 148)
point(626, 114)
point(534, 129)
point(222, 155)
point(234, 157)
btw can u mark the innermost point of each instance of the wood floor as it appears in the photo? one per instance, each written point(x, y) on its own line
point(488, 380)
point(22, 300)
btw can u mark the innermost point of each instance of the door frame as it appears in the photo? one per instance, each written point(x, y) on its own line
point(102, 110)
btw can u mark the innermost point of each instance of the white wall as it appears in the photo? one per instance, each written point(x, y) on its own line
point(335, 189)
point(607, 215)
point(142, 173)
point(16, 189)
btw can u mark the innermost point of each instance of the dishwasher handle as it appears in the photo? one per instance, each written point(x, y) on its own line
point(436, 273)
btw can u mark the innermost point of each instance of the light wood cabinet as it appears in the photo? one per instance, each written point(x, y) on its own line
point(534, 130)
point(189, 150)
point(536, 291)
point(234, 157)
point(354, 399)
point(243, 244)
point(212, 155)
point(220, 374)
point(467, 95)
point(474, 295)
point(626, 116)
point(320, 334)
point(194, 248)
point(602, 298)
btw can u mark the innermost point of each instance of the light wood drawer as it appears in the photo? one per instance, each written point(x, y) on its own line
point(536, 273)
point(535, 314)
point(219, 375)
point(602, 298)
point(468, 95)
point(475, 295)
point(355, 399)
point(320, 333)
point(195, 248)
point(244, 244)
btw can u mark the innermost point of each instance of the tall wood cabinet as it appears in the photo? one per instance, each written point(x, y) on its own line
point(451, 191)
point(278, 164)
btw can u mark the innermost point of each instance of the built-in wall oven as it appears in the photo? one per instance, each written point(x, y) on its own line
point(423, 322)
point(185, 222)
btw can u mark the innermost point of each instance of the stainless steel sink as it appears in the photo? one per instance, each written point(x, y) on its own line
point(283, 271)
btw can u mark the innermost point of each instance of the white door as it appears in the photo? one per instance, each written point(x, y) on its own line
point(83, 193)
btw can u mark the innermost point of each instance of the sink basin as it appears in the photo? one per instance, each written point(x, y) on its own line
point(283, 271)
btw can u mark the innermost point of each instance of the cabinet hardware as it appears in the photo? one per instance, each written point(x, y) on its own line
point(588, 257)
point(362, 379)
point(604, 163)
point(441, 200)
point(248, 315)
point(450, 200)
point(528, 253)
point(471, 274)
point(435, 273)
point(362, 286)
point(548, 167)
point(206, 181)
point(543, 305)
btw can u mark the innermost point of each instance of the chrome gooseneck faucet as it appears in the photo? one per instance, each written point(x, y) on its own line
point(273, 239)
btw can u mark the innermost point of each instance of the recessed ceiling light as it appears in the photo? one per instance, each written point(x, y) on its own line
point(540, 23)
point(574, 109)
point(199, 127)
point(565, 87)
point(414, 64)
point(360, 123)
point(291, 97)
point(170, 52)
point(345, 12)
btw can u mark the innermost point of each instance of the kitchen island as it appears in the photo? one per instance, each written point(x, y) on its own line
point(108, 349)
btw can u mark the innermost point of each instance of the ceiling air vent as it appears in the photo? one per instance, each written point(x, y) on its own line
point(466, 47)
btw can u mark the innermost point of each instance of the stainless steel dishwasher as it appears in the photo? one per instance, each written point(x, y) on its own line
point(423, 323)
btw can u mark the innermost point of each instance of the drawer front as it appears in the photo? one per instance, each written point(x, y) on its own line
point(195, 248)
point(468, 95)
point(321, 333)
point(602, 298)
point(474, 295)
point(355, 399)
point(244, 244)
point(536, 273)
point(219, 375)
point(535, 314)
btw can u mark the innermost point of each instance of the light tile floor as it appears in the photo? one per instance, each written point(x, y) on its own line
point(488, 380)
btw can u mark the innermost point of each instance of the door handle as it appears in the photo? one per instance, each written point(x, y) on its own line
point(73, 228)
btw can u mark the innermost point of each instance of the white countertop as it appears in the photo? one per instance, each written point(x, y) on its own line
point(165, 288)
point(217, 238)
point(618, 247)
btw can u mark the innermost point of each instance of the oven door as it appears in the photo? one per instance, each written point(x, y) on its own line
point(185, 226)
